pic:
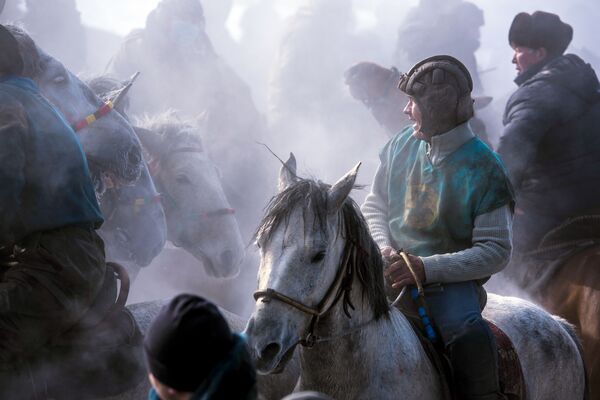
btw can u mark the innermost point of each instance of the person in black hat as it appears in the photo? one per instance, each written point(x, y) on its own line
point(444, 197)
point(550, 141)
point(192, 354)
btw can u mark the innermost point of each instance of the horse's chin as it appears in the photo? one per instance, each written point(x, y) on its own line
point(277, 364)
point(212, 268)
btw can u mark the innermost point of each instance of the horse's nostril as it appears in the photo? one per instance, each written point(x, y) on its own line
point(269, 352)
point(226, 258)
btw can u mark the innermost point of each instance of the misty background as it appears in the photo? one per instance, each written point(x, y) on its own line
point(275, 47)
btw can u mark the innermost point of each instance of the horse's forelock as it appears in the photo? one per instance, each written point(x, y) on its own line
point(311, 196)
point(171, 128)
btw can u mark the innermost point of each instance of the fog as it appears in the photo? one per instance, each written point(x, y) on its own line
point(272, 71)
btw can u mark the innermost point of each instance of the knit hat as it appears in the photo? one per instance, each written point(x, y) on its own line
point(186, 341)
point(441, 86)
point(540, 29)
point(11, 61)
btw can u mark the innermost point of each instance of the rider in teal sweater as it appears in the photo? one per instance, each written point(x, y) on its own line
point(441, 195)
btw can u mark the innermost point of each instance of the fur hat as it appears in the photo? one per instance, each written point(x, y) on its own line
point(540, 29)
point(11, 62)
point(441, 86)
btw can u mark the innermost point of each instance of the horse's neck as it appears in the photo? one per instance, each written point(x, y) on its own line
point(364, 352)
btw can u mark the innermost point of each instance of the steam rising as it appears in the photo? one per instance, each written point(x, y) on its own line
point(272, 71)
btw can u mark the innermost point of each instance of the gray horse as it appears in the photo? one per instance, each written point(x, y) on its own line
point(114, 156)
point(199, 217)
point(320, 265)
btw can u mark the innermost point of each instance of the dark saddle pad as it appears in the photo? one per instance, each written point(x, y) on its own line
point(101, 356)
point(512, 383)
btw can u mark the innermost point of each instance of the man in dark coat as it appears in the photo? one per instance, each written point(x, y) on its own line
point(52, 262)
point(550, 143)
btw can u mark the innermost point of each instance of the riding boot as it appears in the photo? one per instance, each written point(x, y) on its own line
point(474, 358)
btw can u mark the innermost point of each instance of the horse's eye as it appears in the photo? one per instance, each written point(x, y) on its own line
point(182, 180)
point(60, 79)
point(318, 257)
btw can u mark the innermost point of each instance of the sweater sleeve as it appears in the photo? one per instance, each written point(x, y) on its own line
point(375, 208)
point(13, 128)
point(490, 252)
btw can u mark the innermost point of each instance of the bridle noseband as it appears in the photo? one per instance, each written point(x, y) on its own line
point(341, 287)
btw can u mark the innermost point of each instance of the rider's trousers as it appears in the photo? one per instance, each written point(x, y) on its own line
point(469, 342)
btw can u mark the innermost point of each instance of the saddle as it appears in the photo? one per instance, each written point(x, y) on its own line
point(101, 356)
point(512, 383)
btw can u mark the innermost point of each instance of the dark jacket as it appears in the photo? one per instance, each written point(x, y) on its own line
point(551, 145)
point(44, 178)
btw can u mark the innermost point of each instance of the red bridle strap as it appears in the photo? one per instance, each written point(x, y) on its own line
point(99, 113)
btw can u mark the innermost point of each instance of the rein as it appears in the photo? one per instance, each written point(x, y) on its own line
point(340, 287)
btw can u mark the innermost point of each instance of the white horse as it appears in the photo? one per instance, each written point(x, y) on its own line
point(321, 285)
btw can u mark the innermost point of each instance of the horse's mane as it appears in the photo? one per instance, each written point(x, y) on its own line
point(171, 128)
point(32, 59)
point(310, 195)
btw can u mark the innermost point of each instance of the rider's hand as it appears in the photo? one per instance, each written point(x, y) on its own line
point(398, 275)
point(389, 255)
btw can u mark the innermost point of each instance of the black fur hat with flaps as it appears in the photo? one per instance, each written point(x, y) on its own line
point(11, 61)
point(441, 86)
point(540, 29)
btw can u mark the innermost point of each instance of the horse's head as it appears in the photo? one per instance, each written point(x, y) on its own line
point(134, 229)
point(199, 217)
point(110, 144)
point(313, 242)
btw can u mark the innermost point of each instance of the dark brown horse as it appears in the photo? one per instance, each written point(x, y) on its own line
point(563, 276)
point(574, 294)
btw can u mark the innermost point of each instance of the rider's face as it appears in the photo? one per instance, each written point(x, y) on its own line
point(167, 393)
point(526, 57)
point(414, 114)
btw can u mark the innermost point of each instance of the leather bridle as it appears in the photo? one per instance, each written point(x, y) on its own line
point(341, 287)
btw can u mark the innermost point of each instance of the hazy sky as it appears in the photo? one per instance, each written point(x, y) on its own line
point(121, 16)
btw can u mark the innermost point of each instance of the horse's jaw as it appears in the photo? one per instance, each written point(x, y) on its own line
point(215, 266)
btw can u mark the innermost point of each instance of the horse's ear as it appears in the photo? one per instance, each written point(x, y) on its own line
point(287, 173)
point(340, 190)
point(151, 141)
